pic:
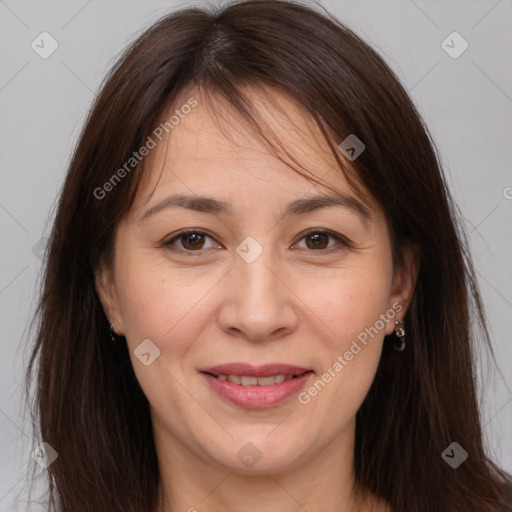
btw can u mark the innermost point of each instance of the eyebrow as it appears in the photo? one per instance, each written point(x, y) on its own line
point(210, 205)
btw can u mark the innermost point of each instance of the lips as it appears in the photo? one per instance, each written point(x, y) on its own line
point(250, 386)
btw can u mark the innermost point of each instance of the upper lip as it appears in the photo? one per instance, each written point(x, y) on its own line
point(249, 370)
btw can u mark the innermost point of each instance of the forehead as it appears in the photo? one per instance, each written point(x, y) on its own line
point(212, 149)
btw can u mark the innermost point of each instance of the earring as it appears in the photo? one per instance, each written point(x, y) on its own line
point(399, 341)
point(111, 332)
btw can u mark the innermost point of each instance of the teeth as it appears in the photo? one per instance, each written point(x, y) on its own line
point(249, 381)
point(246, 380)
point(264, 381)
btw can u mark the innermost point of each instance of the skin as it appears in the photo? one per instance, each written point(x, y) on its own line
point(293, 305)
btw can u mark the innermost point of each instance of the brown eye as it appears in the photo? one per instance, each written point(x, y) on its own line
point(318, 240)
point(189, 241)
point(321, 240)
point(192, 241)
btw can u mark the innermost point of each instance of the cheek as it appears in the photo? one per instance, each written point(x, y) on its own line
point(354, 304)
point(160, 306)
point(156, 299)
point(351, 301)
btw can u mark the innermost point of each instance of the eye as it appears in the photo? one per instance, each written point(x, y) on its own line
point(319, 240)
point(190, 240)
point(193, 240)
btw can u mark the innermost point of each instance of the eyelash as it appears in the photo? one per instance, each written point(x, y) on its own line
point(342, 241)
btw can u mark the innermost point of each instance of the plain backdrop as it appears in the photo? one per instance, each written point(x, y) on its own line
point(465, 101)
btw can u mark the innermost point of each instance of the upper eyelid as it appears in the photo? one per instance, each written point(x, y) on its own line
point(185, 232)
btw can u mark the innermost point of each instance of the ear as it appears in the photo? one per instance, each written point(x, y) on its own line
point(105, 287)
point(404, 282)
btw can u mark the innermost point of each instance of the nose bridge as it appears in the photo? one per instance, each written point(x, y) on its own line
point(257, 268)
point(259, 277)
point(259, 304)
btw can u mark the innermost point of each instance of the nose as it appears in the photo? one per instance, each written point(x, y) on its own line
point(258, 300)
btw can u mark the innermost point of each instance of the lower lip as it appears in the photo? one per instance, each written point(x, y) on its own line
point(257, 397)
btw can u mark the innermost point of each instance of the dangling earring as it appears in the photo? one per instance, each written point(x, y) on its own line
point(111, 332)
point(399, 341)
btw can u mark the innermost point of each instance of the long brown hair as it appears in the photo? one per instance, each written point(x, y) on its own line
point(89, 405)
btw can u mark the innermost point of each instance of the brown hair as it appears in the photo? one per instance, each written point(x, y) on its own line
point(90, 407)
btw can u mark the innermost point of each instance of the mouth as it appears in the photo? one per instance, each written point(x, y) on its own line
point(256, 386)
point(251, 380)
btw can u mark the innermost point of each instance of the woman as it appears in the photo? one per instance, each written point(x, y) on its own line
point(257, 294)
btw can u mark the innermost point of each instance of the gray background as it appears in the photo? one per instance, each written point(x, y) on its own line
point(466, 102)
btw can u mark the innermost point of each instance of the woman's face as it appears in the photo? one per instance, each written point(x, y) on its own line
point(250, 286)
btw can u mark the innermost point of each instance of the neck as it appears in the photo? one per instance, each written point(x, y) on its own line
point(191, 482)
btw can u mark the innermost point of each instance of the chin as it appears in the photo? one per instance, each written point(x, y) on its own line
point(259, 455)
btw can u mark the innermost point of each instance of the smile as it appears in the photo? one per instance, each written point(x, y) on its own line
point(247, 386)
point(247, 380)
